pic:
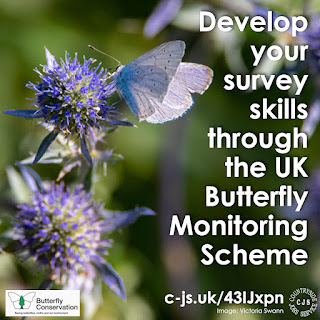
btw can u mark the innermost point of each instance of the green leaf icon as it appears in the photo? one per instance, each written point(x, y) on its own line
point(21, 302)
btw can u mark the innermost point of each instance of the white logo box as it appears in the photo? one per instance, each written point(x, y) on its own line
point(40, 303)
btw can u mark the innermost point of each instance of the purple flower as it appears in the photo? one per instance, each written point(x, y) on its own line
point(64, 90)
point(70, 245)
point(163, 14)
point(263, 12)
point(312, 37)
point(68, 96)
point(47, 206)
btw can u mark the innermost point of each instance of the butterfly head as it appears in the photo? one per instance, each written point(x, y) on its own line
point(114, 71)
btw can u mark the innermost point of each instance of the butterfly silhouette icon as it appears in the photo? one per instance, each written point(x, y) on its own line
point(21, 302)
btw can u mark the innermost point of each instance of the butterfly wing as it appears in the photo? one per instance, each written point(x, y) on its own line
point(28, 299)
point(163, 113)
point(167, 56)
point(148, 77)
point(13, 296)
point(137, 85)
point(189, 78)
point(15, 299)
point(26, 305)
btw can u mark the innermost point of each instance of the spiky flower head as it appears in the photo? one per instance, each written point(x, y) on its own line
point(312, 38)
point(62, 230)
point(66, 232)
point(73, 96)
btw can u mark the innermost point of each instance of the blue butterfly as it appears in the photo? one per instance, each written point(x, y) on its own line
point(157, 86)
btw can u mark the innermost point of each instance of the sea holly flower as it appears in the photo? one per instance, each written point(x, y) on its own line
point(163, 14)
point(66, 231)
point(312, 37)
point(71, 98)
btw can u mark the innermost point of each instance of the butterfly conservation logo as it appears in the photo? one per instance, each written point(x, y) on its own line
point(20, 301)
point(43, 303)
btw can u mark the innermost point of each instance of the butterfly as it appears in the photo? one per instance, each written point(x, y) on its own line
point(21, 302)
point(157, 86)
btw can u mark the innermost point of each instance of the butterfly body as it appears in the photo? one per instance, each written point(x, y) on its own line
point(157, 86)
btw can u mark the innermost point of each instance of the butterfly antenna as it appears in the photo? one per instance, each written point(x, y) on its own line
point(108, 55)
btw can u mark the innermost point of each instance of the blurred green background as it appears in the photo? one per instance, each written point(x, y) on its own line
point(166, 167)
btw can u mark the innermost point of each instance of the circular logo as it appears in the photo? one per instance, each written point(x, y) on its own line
point(303, 302)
